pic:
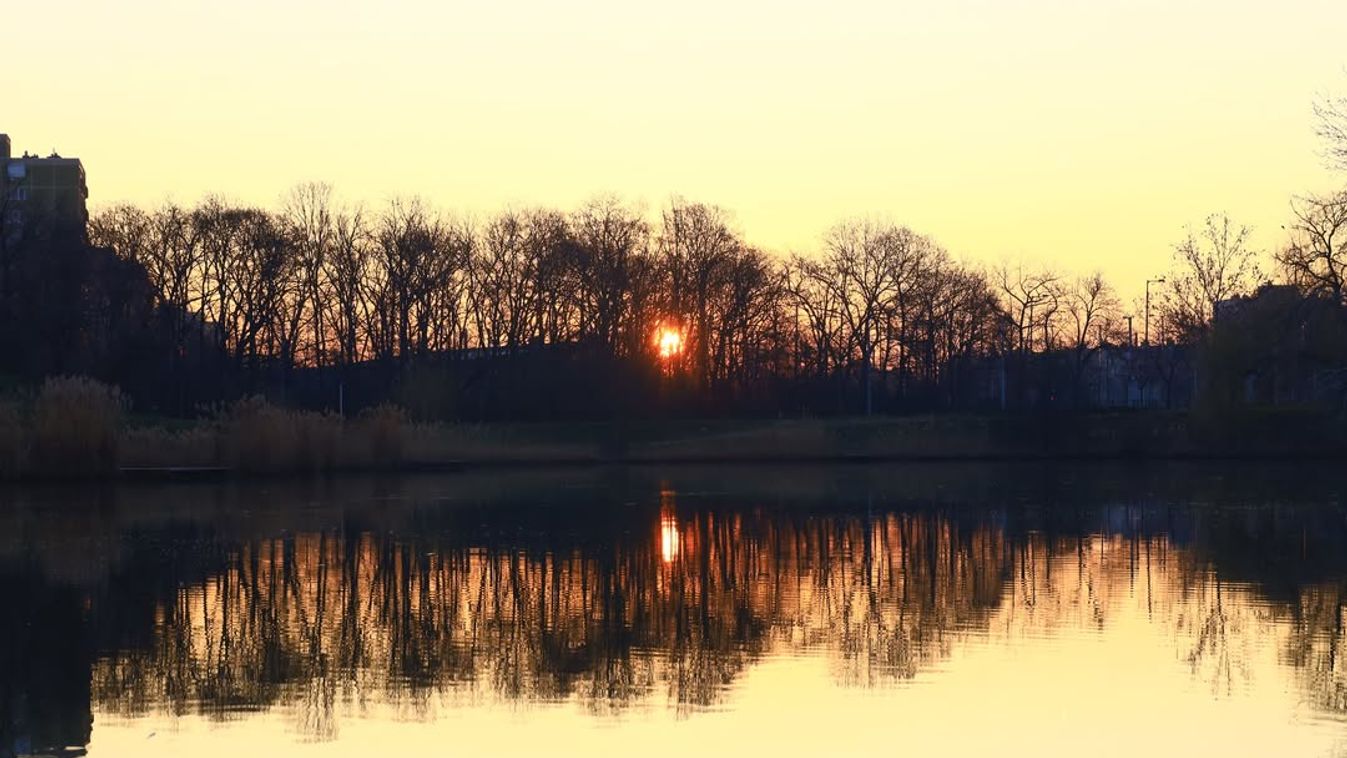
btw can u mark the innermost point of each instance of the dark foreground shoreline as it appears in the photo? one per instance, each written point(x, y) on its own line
point(195, 453)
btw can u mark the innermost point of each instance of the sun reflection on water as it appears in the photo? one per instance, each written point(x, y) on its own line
point(668, 539)
point(670, 543)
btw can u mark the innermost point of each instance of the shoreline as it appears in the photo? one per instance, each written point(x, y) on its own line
point(202, 452)
point(170, 474)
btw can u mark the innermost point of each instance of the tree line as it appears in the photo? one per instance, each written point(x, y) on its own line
point(204, 303)
point(317, 284)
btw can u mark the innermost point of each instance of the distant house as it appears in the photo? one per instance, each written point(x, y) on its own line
point(52, 188)
point(1141, 376)
point(1102, 377)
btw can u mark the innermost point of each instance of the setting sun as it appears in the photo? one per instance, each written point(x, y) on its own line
point(669, 341)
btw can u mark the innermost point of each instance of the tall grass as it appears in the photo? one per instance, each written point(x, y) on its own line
point(13, 441)
point(381, 432)
point(256, 436)
point(158, 446)
point(74, 428)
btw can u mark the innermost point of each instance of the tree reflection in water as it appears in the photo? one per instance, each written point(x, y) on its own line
point(319, 618)
point(344, 615)
point(671, 601)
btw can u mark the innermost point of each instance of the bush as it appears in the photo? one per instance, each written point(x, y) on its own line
point(75, 427)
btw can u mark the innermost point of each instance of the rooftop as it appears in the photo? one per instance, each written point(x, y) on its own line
point(6, 153)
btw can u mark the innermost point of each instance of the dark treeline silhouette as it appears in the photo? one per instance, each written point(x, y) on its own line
point(629, 593)
point(536, 313)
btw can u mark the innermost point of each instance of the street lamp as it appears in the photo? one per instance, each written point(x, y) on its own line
point(1149, 282)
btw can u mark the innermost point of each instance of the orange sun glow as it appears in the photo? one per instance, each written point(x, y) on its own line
point(669, 341)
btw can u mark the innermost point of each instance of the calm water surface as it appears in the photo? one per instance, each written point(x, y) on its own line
point(925, 609)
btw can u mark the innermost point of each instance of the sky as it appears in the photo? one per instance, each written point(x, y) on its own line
point(1083, 135)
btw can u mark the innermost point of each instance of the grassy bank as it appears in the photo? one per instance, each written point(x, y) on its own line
point(78, 428)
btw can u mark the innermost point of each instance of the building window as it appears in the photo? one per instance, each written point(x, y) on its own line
point(21, 194)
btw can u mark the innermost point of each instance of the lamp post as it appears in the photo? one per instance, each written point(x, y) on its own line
point(1149, 282)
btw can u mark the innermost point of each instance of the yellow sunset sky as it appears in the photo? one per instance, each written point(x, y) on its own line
point(1080, 134)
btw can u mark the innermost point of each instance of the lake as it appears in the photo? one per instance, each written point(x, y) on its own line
point(951, 609)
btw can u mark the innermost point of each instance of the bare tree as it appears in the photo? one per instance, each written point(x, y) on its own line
point(1030, 298)
point(308, 212)
point(418, 257)
point(1092, 311)
point(216, 225)
point(859, 268)
point(1210, 266)
point(265, 285)
point(513, 278)
point(816, 315)
point(348, 272)
point(1316, 257)
point(698, 251)
point(124, 228)
point(1092, 319)
point(1331, 127)
point(550, 243)
point(614, 275)
point(173, 260)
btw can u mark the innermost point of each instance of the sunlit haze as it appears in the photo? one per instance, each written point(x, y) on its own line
point(669, 342)
point(1079, 134)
